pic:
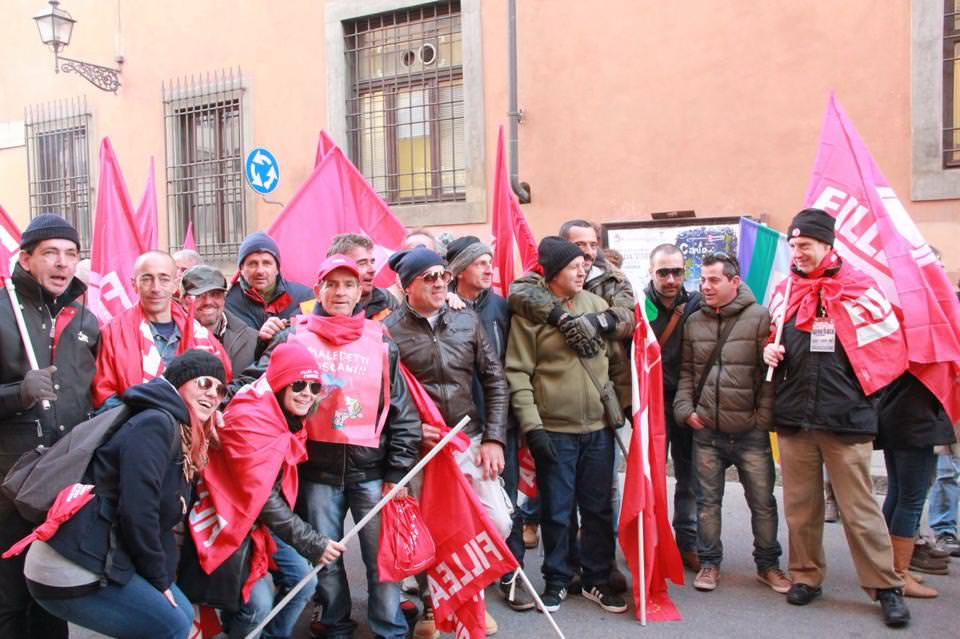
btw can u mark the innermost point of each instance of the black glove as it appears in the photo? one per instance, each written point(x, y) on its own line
point(558, 316)
point(541, 447)
point(37, 386)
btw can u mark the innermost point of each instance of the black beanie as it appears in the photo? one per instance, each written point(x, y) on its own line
point(48, 226)
point(193, 363)
point(258, 242)
point(555, 254)
point(813, 223)
point(410, 263)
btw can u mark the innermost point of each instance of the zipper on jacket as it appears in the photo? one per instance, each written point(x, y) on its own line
point(716, 398)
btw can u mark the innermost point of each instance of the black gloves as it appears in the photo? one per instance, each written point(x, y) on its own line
point(37, 386)
point(541, 447)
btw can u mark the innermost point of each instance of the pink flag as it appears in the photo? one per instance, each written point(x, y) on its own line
point(9, 242)
point(116, 242)
point(324, 145)
point(875, 234)
point(188, 242)
point(335, 199)
point(146, 214)
point(508, 224)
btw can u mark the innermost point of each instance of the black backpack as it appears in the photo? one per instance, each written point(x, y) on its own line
point(40, 474)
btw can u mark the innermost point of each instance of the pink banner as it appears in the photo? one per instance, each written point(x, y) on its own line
point(508, 226)
point(9, 243)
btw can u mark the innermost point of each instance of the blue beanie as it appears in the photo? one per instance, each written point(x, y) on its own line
point(412, 262)
point(48, 226)
point(258, 242)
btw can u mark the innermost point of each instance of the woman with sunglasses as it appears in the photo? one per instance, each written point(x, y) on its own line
point(250, 487)
point(111, 567)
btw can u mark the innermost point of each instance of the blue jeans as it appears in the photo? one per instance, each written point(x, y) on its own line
point(326, 508)
point(909, 471)
point(135, 610)
point(713, 453)
point(687, 489)
point(291, 569)
point(942, 512)
point(581, 478)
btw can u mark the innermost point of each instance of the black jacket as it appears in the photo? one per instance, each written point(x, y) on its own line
point(380, 304)
point(141, 494)
point(494, 314)
point(446, 358)
point(911, 416)
point(670, 353)
point(75, 356)
point(245, 302)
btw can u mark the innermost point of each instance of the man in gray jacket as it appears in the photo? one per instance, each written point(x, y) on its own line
point(207, 288)
point(721, 395)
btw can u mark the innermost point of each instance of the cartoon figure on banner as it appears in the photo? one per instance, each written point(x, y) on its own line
point(696, 243)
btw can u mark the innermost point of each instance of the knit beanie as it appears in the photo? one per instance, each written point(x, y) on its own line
point(258, 242)
point(813, 223)
point(48, 226)
point(290, 362)
point(463, 251)
point(410, 263)
point(194, 363)
point(555, 254)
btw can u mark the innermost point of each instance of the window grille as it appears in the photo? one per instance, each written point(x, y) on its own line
point(405, 115)
point(951, 87)
point(203, 130)
point(58, 163)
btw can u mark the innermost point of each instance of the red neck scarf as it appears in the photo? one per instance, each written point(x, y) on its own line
point(336, 329)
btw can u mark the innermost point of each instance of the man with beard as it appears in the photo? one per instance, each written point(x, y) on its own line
point(206, 288)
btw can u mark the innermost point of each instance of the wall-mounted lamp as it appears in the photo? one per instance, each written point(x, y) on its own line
point(56, 27)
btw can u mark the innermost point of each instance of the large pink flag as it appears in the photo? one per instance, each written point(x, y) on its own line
point(9, 242)
point(188, 241)
point(116, 242)
point(324, 145)
point(146, 214)
point(335, 199)
point(876, 235)
point(508, 225)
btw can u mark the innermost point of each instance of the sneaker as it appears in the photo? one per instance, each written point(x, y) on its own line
point(489, 625)
point(426, 627)
point(604, 596)
point(618, 581)
point(707, 578)
point(515, 593)
point(775, 578)
point(950, 543)
point(531, 537)
point(317, 629)
point(552, 596)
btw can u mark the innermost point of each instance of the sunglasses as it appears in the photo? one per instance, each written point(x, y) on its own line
point(433, 276)
point(206, 383)
point(667, 272)
point(299, 386)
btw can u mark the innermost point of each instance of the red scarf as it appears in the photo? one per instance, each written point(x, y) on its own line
point(336, 329)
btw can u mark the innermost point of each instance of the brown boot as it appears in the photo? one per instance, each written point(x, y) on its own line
point(902, 552)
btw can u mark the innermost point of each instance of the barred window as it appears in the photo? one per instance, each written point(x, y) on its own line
point(58, 163)
point(951, 87)
point(405, 115)
point(203, 129)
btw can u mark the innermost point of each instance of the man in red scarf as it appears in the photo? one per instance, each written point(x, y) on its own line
point(841, 343)
point(137, 344)
point(364, 437)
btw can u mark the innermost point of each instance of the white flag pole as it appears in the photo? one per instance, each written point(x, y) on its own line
point(536, 598)
point(363, 522)
point(643, 571)
point(22, 327)
point(783, 318)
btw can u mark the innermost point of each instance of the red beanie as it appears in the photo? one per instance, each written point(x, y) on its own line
point(290, 362)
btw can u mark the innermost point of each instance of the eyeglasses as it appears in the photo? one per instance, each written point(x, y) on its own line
point(433, 276)
point(299, 386)
point(206, 383)
point(667, 272)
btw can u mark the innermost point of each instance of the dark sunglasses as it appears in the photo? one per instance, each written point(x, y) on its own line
point(666, 272)
point(206, 383)
point(299, 385)
point(444, 276)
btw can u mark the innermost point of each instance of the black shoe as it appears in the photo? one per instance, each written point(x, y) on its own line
point(552, 595)
point(606, 598)
point(895, 611)
point(948, 541)
point(515, 593)
point(802, 594)
point(618, 581)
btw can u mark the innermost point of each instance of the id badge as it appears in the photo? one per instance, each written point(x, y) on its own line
point(823, 336)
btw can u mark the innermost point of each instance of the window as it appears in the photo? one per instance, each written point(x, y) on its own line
point(405, 106)
point(58, 163)
point(203, 128)
point(951, 86)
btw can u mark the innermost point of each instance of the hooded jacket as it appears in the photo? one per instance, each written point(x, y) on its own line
point(735, 398)
point(245, 302)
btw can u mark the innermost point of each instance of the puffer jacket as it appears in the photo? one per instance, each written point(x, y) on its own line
point(735, 398)
point(911, 416)
point(549, 387)
point(445, 359)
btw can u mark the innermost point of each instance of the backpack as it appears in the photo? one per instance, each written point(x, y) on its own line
point(40, 474)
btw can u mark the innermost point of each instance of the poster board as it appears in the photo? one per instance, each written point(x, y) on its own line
point(696, 237)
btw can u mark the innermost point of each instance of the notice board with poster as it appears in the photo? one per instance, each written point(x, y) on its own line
point(696, 237)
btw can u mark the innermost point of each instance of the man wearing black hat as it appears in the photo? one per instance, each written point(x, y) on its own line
point(65, 339)
point(206, 288)
point(824, 372)
point(556, 398)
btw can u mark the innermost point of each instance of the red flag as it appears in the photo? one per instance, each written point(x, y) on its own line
point(146, 214)
point(324, 145)
point(9, 243)
point(528, 473)
point(875, 234)
point(188, 242)
point(645, 487)
point(508, 224)
point(68, 502)
point(335, 199)
point(427, 408)
point(206, 623)
point(116, 242)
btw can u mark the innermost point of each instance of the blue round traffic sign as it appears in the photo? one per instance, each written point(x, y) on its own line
point(263, 172)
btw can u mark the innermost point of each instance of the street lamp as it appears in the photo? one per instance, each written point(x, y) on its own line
point(56, 27)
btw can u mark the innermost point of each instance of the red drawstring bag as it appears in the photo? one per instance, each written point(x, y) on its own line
point(406, 547)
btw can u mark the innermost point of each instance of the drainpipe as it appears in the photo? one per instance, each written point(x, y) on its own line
point(522, 189)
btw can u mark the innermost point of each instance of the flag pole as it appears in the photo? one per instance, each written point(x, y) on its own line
point(536, 598)
point(643, 571)
point(22, 327)
point(783, 318)
point(253, 634)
